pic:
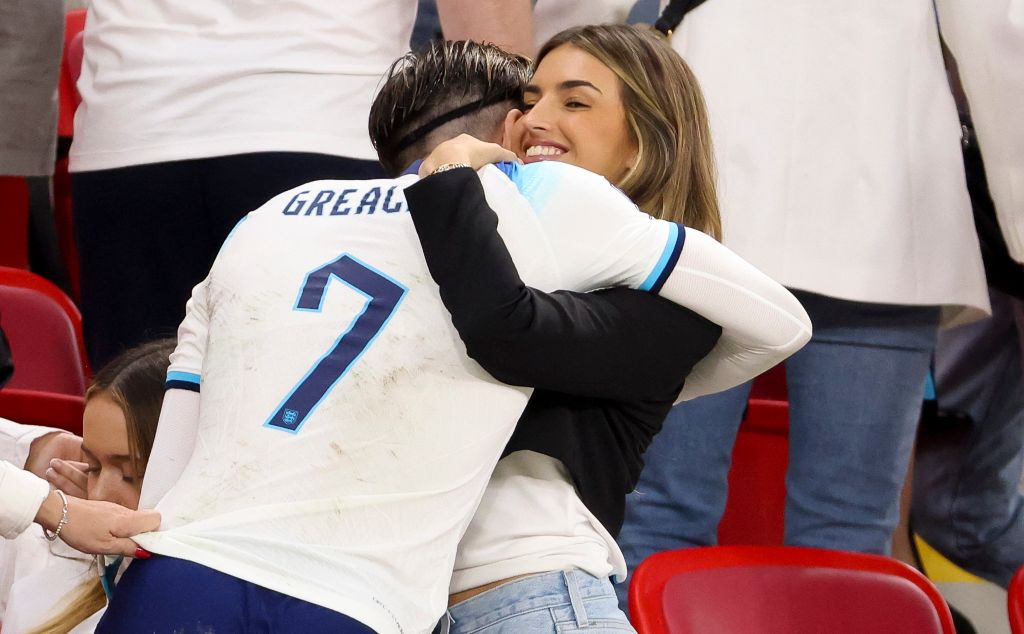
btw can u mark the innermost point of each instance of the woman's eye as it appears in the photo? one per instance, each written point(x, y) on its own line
point(128, 479)
point(572, 103)
point(526, 107)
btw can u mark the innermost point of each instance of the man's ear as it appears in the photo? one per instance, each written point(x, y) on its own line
point(509, 140)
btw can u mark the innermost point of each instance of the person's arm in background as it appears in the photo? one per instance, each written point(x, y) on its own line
point(34, 447)
point(92, 527)
point(506, 23)
point(618, 344)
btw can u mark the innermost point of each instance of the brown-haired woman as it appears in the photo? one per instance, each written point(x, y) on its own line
point(539, 553)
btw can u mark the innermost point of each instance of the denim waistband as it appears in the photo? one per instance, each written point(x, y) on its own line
point(549, 589)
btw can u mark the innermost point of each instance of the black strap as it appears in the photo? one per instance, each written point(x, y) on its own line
point(674, 14)
point(452, 115)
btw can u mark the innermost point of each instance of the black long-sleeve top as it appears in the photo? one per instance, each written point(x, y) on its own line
point(607, 365)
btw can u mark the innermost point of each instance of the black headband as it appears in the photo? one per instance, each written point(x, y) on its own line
point(452, 115)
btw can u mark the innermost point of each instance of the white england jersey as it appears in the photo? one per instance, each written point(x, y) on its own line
point(344, 438)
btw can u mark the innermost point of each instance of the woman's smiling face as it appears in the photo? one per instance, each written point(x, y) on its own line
point(574, 113)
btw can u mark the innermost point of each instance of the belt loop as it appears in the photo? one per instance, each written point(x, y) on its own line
point(572, 584)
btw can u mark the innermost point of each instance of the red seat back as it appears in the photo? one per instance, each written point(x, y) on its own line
point(13, 222)
point(761, 590)
point(29, 407)
point(44, 329)
point(1015, 600)
point(754, 510)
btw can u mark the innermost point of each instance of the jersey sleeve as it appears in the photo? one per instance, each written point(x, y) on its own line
point(575, 343)
point(597, 235)
point(762, 322)
point(179, 415)
point(601, 237)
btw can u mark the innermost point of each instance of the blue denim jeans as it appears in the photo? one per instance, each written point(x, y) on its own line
point(967, 500)
point(855, 393)
point(550, 603)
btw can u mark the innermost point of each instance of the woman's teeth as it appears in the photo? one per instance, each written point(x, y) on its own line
point(543, 150)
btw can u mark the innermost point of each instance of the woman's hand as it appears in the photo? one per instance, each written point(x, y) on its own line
point(94, 527)
point(468, 150)
point(69, 476)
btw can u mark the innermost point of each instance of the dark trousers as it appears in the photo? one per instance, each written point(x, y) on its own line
point(164, 595)
point(148, 233)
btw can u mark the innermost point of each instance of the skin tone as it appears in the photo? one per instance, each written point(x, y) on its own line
point(110, 472)
point(574, 113)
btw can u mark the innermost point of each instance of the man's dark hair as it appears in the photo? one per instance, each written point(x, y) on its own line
point(447, 89)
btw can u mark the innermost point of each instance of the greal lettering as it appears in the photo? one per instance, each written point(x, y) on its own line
point(302, 204)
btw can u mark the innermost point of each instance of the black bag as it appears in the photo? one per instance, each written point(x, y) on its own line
point(674, 14)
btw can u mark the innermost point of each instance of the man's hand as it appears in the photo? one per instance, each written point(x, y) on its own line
point(59, 445)
point(97, 528)
point(465, 149)
point(69, 476)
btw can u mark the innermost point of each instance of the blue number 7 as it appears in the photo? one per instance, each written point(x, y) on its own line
point(383, 295)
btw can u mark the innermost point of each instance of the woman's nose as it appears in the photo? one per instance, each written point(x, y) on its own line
point(538, 118)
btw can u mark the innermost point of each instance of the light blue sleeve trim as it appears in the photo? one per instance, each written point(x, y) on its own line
point(537, 182)
point(187, 377)
point(666, 255)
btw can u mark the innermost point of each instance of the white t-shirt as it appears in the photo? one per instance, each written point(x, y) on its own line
point(167, 80)
point(343, 438)
point(531, 520)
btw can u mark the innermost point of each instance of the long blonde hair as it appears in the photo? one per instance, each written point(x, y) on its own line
point(674, 177)
point(135, 381)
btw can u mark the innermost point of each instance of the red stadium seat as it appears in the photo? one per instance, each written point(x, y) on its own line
point(13, 222)
point(29, 407)
point(1015, 600)
point(757, 478)
point(775, 590)
point(44, 329)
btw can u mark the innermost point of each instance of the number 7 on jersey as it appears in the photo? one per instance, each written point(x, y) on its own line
point(383, 295)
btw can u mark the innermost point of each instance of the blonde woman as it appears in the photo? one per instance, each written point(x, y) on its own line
point(119, 424)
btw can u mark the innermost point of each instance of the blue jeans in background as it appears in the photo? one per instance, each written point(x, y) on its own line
point(967, 500)
point(550, 603)
point(855, 393)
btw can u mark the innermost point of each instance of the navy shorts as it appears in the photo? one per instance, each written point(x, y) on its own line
point(167, 595)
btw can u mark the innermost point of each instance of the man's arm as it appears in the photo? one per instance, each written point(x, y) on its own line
point(603, 239)
point(618, 344)
point(178, 425)
point(507, 23)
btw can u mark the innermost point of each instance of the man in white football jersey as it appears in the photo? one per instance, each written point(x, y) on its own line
point(321, 479)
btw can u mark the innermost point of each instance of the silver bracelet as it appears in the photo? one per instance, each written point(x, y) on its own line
point(63, 518)
point(448, 166)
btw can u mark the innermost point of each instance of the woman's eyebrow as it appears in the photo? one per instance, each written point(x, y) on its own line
point(90, 454)
point(565, 85)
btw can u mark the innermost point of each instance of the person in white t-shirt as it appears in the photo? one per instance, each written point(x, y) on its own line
point(193, 114)
point(325, 439)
